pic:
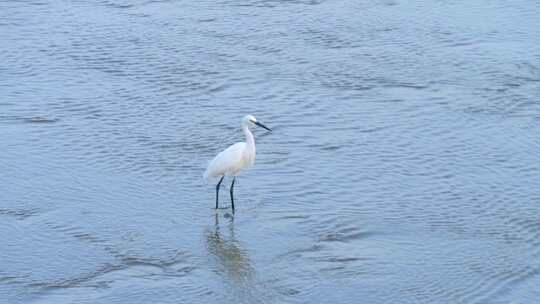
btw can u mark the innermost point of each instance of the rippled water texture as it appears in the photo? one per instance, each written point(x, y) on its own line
point(404, 165)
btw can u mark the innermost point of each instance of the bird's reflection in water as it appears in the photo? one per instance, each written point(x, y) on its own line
point(232, 259)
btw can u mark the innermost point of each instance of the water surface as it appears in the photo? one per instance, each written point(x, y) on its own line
point(403, 166)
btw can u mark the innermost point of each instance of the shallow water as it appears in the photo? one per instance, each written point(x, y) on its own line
point(403, 166)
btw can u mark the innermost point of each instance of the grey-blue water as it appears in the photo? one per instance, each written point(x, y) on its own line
point(403, 166)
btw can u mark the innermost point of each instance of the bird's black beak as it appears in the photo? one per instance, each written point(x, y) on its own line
point(262, 126)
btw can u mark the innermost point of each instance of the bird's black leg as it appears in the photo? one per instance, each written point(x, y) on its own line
point(232, 198)
point(217, 190)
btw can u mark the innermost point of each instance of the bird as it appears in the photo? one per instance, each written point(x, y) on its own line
point(235, 158)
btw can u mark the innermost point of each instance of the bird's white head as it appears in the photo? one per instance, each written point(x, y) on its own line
point(250, 119)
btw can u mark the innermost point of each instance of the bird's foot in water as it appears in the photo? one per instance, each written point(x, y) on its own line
point(228, 215)
point(222, 208)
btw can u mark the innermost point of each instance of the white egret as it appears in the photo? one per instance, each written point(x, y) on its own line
point(235, 158)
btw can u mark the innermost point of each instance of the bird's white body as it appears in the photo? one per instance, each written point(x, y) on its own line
point(235, 158)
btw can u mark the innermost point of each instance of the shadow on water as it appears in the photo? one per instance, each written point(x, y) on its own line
point(233, 265)
point(232, 260)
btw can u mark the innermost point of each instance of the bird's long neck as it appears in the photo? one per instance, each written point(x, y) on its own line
point(249, 153)
point(250, 140)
